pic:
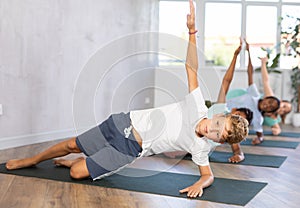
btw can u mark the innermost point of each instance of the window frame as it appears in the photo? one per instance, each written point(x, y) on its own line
point(200, 22)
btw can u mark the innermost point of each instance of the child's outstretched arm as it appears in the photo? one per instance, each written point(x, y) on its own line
point(265, 78)
point(259, 135)
point(228, 76)
point(238, 155)
point(276, 129)
point(191, 64)
point(250, 66)
point(207, 178)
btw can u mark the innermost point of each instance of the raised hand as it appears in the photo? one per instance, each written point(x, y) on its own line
point(190, 20)
point(264, 60)
point(247, 45)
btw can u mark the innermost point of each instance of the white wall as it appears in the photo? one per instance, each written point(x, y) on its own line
point(45, 45)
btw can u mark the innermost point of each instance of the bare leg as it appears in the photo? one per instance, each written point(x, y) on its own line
point(66, 162)
point(78, 168)
point(58, 150)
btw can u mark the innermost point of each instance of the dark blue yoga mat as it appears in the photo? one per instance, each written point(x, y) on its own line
point(228, 191)
point(272, 143)
point(272, 161)
point(282, 134)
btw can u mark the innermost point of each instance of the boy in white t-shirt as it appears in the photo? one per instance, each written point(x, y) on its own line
point(122, 138)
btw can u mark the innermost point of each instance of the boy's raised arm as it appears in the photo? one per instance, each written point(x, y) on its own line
point(191, 64)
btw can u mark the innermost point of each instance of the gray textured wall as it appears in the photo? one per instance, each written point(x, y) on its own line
point(44, 47)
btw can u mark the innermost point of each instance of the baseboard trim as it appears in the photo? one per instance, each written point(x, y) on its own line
point(17, 141)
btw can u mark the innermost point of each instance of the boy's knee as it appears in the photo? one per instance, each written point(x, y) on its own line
point(72, 146)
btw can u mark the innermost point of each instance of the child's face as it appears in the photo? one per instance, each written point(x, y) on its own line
point(285, 108)
point(215, 129)
point(268, 104)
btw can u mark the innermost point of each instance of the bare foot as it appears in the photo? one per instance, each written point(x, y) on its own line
point(19, 163)
point(257, 140)
point(66, 163)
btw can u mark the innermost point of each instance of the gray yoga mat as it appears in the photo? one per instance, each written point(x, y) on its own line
point(228, 191)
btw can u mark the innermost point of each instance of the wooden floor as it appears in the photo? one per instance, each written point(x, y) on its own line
point(282, 191)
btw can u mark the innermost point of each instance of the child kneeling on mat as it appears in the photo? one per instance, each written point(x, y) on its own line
point(122, 138)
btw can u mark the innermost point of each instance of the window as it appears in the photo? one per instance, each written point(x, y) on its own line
point(289, 44)
point(222, 32)
point(261, 31)
point(221, 22)
point(172, 23)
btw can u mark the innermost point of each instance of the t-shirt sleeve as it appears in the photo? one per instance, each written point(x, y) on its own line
point(196, 105)
point(218, 108)
point(257, 124)
point(201, 158)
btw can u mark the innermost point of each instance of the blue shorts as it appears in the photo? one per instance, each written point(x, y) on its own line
point(109, 146)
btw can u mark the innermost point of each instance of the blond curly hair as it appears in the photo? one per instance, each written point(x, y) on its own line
point(239, 129)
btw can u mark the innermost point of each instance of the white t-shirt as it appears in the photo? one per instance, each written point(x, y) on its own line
point(172, 128)
point(249, 100)
point(217, 108)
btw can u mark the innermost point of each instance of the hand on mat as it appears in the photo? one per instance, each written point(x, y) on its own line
point(276, 131)
point(236, 158)
point(193, 191)
point(257, 140)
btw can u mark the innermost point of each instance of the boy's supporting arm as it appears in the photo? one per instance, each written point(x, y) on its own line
point(206, 179)
point(191, 64)
point(238, 155)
